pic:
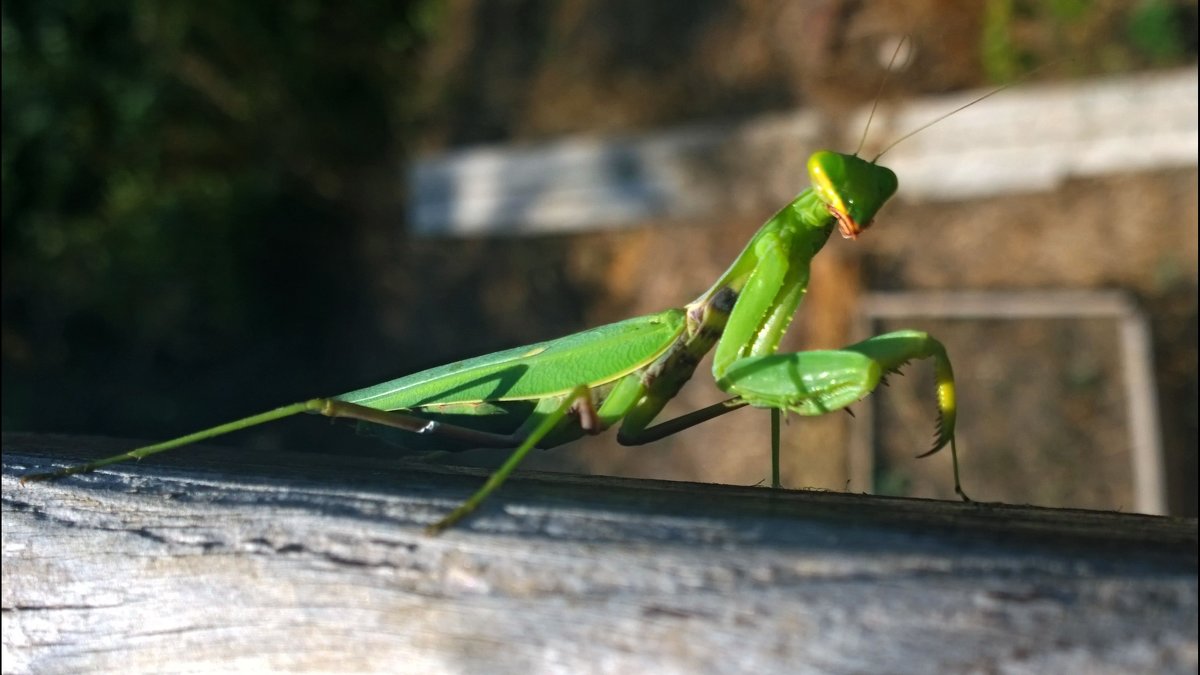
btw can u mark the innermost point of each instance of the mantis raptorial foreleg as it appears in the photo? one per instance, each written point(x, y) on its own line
point(818, 382)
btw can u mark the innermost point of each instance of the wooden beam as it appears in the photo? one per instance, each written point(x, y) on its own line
point(212, 560)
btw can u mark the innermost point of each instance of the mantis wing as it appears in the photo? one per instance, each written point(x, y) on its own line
point(546, 369)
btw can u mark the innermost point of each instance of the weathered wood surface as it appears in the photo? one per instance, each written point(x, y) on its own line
point(207, 560)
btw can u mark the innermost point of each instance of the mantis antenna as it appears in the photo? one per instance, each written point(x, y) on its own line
point(879, 93)
point(959, 109)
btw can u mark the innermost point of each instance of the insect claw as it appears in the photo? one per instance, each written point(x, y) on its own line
point(940, 439)
point(938, 443)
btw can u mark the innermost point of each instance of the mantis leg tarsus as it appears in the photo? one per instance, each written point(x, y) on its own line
point(958, 489)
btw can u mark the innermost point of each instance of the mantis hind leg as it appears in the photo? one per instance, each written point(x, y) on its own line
point(818, 382)
point(549, 413)
point(544, 420)
point(328, 407)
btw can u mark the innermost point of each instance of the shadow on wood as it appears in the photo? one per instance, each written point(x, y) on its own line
point(211, 560)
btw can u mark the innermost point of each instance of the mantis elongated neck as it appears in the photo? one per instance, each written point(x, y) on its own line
point(803, 226)
point(811, 212)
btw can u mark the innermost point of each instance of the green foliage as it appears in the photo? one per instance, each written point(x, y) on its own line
point(1092, 36)
point(1154, 29)
point(166, 165)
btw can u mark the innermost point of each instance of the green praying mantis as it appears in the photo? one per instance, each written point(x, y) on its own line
point(549, 393)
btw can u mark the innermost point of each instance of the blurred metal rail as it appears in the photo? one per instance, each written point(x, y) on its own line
point(1136, 357)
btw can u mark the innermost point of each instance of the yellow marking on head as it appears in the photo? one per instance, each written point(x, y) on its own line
point(824, 185)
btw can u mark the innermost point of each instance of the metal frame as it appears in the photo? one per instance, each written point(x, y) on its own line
point(1137, 363)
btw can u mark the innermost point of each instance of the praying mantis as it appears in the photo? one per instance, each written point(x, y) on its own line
point(623, 374)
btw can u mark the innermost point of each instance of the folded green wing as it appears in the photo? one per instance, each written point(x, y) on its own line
point(592, 357)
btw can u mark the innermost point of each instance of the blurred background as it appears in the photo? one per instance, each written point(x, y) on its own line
point(206, 213)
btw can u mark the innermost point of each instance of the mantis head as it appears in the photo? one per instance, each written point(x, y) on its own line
point(852, 188)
